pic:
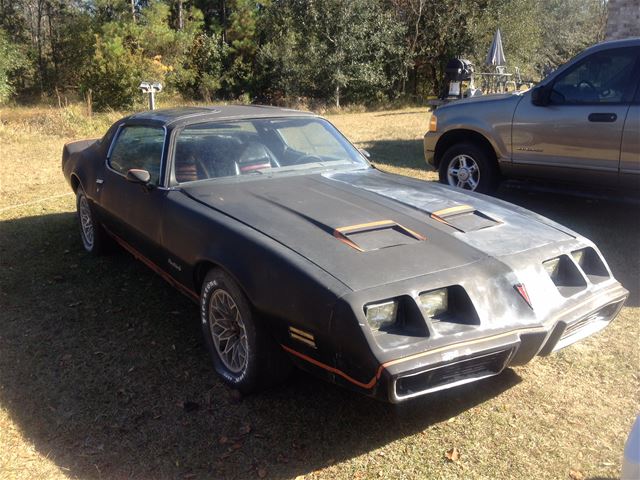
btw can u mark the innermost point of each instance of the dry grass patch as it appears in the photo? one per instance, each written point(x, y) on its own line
point(98, 357)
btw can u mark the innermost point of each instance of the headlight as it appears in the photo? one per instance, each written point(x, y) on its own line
point(433, 123)
point(435, 302)
point(578, 256)
point(381, 315)
point(552, 266)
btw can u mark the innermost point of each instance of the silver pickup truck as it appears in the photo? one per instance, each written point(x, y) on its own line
point(580, 125)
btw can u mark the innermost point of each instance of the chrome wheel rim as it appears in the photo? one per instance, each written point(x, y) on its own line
point(228, 331)
point(463, 172)
point(86, 222)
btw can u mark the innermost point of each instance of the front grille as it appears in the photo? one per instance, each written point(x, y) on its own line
point(455, 373)
point(575, 326)
point(605, 314)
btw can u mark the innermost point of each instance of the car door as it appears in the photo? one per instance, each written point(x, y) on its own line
point(630, 149)
point(133, 212)
point(576, 135)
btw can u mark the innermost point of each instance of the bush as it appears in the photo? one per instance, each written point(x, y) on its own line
point(10, 61)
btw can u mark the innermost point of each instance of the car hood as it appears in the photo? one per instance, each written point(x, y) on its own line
point(368, 228)
point(486, 98)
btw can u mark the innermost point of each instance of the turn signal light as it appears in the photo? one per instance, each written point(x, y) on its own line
point(433, 123)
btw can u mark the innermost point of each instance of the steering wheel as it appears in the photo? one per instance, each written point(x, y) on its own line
point(588, 84)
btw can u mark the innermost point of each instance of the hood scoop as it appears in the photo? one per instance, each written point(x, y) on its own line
point(365, 237)
point(464, 218)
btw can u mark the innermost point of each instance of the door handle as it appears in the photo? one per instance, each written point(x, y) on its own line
point(99, 181)
point(603, 117)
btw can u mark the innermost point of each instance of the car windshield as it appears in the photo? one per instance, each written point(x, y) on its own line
point(261, 146)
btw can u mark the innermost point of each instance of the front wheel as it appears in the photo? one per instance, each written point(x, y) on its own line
point(469, 167)
point(243, 352)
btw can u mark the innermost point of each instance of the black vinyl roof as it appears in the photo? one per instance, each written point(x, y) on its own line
point(186, 115)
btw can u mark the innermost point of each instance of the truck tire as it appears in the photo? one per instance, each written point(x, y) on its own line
point(470, 167)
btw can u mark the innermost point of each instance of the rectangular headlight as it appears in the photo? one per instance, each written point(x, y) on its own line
point(578, 256)
point(381, 315)
point(552, 267)
point(435, 302)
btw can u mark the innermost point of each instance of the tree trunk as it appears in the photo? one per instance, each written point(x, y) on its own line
point(337, 96)
point(133, 11)
point(224, 21)
point(53, 42)
point(180, 15)
point(39, 40)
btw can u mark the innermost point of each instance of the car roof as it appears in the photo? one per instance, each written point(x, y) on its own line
point(187, 115)
point(626, 42)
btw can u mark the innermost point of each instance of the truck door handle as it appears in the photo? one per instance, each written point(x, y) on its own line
point(603, 117)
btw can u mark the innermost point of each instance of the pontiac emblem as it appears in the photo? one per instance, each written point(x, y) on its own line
point(521, 289)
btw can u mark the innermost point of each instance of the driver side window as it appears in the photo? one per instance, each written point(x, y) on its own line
point(602, 78)
point(138, 147)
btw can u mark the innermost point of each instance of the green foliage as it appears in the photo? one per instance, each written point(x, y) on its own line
point(332, 48)
point(201, 73)
point(356, 51)
point(519, 24)
point(112, 75)
point(568, 27)
point(242, 45)
point(128, 53)
point(11, 60)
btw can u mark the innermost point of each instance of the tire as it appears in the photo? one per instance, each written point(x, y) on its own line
point(244, 354)
point(94, 239)
point(470, 167)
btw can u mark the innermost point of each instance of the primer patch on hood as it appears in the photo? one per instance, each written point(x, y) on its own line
point(516, 229)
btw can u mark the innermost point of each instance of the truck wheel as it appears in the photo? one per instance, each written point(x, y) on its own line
point(243, 353)
point(469, 167)
point(94, 238)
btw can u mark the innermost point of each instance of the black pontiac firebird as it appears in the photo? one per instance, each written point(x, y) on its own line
point(298, 251)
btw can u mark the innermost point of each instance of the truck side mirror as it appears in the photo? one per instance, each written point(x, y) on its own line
point(540, 95)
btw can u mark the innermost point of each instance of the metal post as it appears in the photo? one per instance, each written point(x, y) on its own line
point(151, 90)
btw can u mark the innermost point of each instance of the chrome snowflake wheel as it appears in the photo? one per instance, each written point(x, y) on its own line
point(86, 222)
point(228, 331)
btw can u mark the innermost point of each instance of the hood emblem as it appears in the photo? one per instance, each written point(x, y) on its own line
point(522, 290)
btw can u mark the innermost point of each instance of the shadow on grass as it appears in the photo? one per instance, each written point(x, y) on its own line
point(103, 370)
point(398, 153)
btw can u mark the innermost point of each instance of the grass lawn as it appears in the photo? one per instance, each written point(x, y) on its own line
point(103, 373)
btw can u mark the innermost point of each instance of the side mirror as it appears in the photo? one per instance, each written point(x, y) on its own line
point(540, 95)
point(136, 175)
point(366, 154)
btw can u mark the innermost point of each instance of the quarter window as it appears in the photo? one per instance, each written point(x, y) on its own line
point(603, 77)
point(138, 147)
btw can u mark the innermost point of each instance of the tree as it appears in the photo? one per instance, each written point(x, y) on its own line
point(568, 27)
point(11, 60)
point(332, 48)
point(201, 73)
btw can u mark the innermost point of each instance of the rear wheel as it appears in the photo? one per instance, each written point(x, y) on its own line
point(94, 238)
point(243, 352)
point(469, 167)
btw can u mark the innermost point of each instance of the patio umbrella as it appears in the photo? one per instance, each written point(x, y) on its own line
point(496, 53)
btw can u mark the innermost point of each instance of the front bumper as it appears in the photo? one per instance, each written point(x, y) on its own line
point(473, 359)
point(429, 144)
